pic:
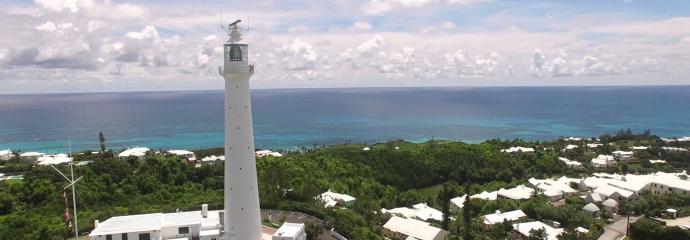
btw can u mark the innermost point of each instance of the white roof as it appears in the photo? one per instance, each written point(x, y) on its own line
point(420, 211)
point(499, 217)
point(413, 228)
point(157, 221)
point(180, 152)
point(459, 201)
point(53, 159)
point(366, 149)
point(262, 153)
point(677, 149)
point(573, 139)
point(289, 230)
point(582, 230)
point(657, 161)
point(525, 228)
point(671, 210)
point(570, 162)
point(640, 147)
point(551, 187)
point(486, 195)
point(519, 192)
point(594, 145)
point(603, 160)
point(683, 139)
point(608, 191)
point(5, 152)
point(570, 147)
point(610, 203)
point(134, 152)
point(518, 149)
point(31, 154)
point(331, 198)
point(131, 223)
point(213, 158)
point(591, 207)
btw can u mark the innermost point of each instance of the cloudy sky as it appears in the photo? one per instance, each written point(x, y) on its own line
point(109, 45)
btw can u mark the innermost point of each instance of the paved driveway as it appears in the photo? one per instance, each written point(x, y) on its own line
point(617, 229)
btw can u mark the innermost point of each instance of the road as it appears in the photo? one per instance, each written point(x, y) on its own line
point(617, 229)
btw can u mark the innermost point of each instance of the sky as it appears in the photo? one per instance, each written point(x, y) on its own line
point(109, 46)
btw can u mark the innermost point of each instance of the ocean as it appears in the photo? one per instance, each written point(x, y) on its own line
point(287, 118)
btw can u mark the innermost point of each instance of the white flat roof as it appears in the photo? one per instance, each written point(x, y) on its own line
point(525, 228)
point(289, 229)
point(498, 217)
point(131, 223)
point(414, 228)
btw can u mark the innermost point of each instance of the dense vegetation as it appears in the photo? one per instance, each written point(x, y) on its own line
point(391, 175)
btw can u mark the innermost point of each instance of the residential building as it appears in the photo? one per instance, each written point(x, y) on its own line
point(499, 217)
point(516, 193)
point(187, 155)
point(420, 211)
point(523, 229)
point(30, 156)
point(594, 145)
point(6, 154)
point(137, 152)
point(290, 231)
point(330, 199)
point(397, 228)
point(53, 159)
point(457, 203)
point(623, 155)
point(262, 153)
point(603, 161)
point(518, 150)
point(570, 164)
point(610, 205)
point(592, 209)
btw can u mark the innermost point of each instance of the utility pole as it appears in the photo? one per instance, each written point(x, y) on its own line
point(72, 182)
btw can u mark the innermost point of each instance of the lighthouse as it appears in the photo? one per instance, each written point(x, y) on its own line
point(241, 196)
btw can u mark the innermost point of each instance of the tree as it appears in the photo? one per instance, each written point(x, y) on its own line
point(313, 231)
point(101, 140)
point(466, 217)
point(537, 234)
point(447, 192)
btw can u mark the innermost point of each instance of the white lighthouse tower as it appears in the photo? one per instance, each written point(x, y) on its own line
point(241, 198)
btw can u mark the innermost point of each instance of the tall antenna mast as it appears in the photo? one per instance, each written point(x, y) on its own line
point(71, 182)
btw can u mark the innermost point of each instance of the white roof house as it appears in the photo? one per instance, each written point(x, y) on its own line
point(213, 158)
point(499, 217)
point(573, 139)
point(420, 211)
point(518, 150)
point(330, 199)
point(603, 161)
point(138, 152)
point(53, 159)
point(457, 203)
point(290, 231)
point(594, 145)
point(189, 155)
point(262, 153)
point(404, 228)
point(570, 147)
point(6, 154)
point(366, 149)
point(553, 189)
point(657, 161)
point(32, 156)
point(516, 193)
point(486, 195)
point(674, 149)
point(623, 154)
point(525, 228)
point(570, 163)
point(591, 207)
point(205, 224)
point(640, 147)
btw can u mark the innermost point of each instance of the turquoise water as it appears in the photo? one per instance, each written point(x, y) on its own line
point(303, 117)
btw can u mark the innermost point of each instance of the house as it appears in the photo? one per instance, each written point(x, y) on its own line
point(671, 213)
point(594, 198)
point(202, 225)
point(486, 195)
point(592, 209)
point(187, 155)
point(640, 147)
point(518, 150)
point(516, 193)
point(657, 161)
point(457, 203)
point(523, 229)
point(570, 147)
point(397, 228)
point(603, 161)
point(53, 159)
point(262, 153)
point(420, 211)
point(554, 190)
point(623, 155)
point(137, 152)
point(6, 155)
point(569, 163)
point(610, 205)
point(330, 199)
point(290, 231)
point(594, 145)
point(674, 149)
point(211, 159)
point(30, 156)
point(366, 149)
point(574, 139)
point(499, 217)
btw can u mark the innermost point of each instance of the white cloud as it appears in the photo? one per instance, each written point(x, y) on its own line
point(297, 55)
point(361, 25)
point(47, 26)
point(149, 32)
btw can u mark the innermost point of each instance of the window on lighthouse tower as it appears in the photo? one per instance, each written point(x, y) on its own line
point(235, 53)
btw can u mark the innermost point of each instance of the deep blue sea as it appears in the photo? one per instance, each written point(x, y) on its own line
point(288, 118)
